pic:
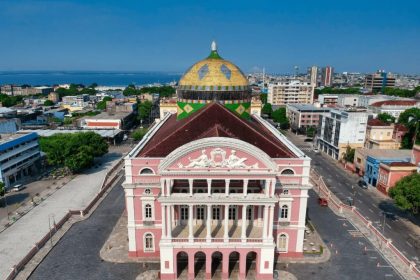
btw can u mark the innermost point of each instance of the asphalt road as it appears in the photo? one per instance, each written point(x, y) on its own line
point(349, 259)
point(344, 185)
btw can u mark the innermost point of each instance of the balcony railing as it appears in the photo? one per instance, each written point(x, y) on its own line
point(216, 240)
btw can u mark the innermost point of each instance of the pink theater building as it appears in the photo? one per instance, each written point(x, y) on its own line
point(217, 189)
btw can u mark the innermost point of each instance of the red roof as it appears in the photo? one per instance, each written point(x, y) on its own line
point(376, 122)
point(214, 120)
point(400, 164)
point(400, 127)
point(395, 103)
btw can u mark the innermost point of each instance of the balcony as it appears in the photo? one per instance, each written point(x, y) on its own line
point(253, 234)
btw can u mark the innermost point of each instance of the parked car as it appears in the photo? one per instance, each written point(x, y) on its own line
point(362, 184)
point(322, 201)
point(316, 150)
point(17, 188)
point(308, 140)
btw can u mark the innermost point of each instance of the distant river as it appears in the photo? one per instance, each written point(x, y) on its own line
point(86, 78)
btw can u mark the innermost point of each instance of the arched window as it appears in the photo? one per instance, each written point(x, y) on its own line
point(148, 211)
point(146, 171)
point(282, 242)
point(148, 243)
point(284, 214)
point(287, 172)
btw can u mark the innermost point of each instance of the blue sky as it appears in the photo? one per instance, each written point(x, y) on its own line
point(171, 35)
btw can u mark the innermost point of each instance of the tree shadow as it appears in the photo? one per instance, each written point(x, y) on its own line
point(13, 198)
point(393, 212)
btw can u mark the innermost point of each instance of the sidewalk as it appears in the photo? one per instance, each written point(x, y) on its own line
point(17, 240)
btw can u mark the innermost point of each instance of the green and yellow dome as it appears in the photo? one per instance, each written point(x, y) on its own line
point(213, 80)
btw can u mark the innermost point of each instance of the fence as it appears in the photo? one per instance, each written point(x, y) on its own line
point(323, 190)
point(38, 246)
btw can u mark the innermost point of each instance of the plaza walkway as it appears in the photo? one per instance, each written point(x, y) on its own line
point(19, 238)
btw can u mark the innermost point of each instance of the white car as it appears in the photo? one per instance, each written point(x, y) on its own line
point(17, 188)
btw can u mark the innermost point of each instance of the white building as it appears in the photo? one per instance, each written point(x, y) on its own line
point(341, 128)
point(18, 154)
point(290, 92)
point(348, 100)
point(393, 107)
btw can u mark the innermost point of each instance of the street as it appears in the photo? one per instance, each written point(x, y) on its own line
point(369, 202)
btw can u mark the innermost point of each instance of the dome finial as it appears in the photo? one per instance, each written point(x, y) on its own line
point(213, 46)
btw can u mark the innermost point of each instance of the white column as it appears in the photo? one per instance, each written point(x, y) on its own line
point(259, 215)
point(190, 223)
point(243, 233)
point(170, 211)
point(265, 223)
point(245, 186)
point(270, 223)
point(209, 187)
point(162, 186)
point(226, 233)
point(267, 187)
point(163, 221)
point(227, 183)
point(167, 191)
point(273, 186)
point(208, 223)
point(190, 183)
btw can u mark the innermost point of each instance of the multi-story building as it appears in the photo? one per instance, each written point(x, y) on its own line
point(348, 100)
point(341, 128)
point(213, 186)
point(379, 80)
point(393, 107)
point(303, 116)
point(290, 92)
point(390, 173)
point(361, 155)
point(328, 100)
point(379, 135)
point(313, 75)
point(14, 90)
point(327, 76)
point(75, 102)
point(18, 157)
point(54, 97)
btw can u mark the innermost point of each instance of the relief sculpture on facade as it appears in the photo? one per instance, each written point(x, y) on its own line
point(217, 159)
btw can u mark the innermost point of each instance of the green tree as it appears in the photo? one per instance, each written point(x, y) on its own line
point(139, 133)
point(2, 189)
point(310, 131)
point(349, 155)
point(263, 97)
point(267, 109)
point(280, 117)
point(48, 103)
point(101, 105)
point(144, 109)
point(75, 151)
point(406, 193)
point(386, 118)
point(410, 118)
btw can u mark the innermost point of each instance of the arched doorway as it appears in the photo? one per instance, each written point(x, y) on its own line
point(251, 265)
point(182, 265)
point(199, 265)
point(233, 264)
point(216, 264)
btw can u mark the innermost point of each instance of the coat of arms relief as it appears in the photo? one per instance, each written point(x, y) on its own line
point(218, 159)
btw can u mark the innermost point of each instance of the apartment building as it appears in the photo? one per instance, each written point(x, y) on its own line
point(379, 80)
point(290, 92)
point(303, 116)
point(341, 128)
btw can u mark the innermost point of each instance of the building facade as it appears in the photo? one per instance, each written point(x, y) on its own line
point(18, 157)
point(390, 173)
point(215, 188)
point(339, 129)
point(303, 116)
point(326, 100)
point(393, 107)
point(379, 80)
point(290, 92)
point(327, 74)
point(379, 135)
